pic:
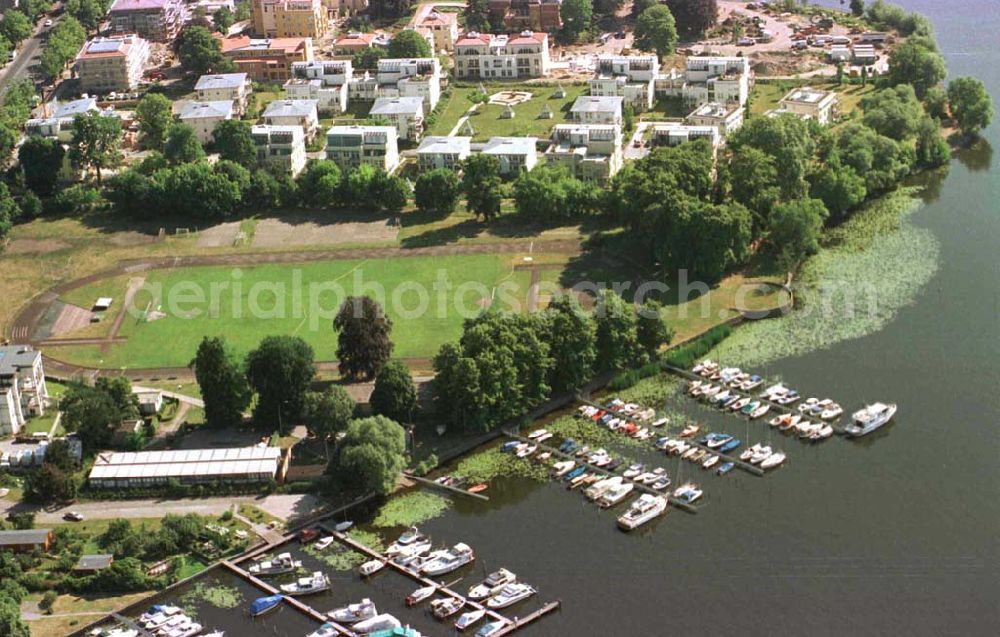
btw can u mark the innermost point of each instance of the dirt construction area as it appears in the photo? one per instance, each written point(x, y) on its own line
point(274, 233)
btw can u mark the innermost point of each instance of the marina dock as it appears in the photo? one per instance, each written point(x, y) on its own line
point(510, 624)
point(445, 487)
point(680, 504)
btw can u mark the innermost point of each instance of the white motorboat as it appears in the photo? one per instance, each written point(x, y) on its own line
point(773, 460)
point(710, 461)
point(446, 606)
point(761, 454)
point(408, 537)
point(749, 451)
point(689, 453)
point(689, 431)
point(645, 508)
point(466, 620)
point(693, 385)
point(660, 422)
point(457, 557)
point(315, 583)
point(633, 470)
point(371, 567)
point(601, 487)
point(721, 396)
point(526, 451)
point(615, 495)
point(870, 418)
point(681, 448)
point(190, 629)
point(688, 493)
point(825, 432)
point(760, 411)
point(791, 423)
point(740, 404)
point(322, 543)
point(711, 391)
point(538, 433)
point(326, 630)
point(510, 595)
point(278, 566)
point(409, 550)
point(376, 623)
point(810, 429)
point(420, 595)
point(833, 410)
point(661, 483)
point(354, 613)
point(492, 584)
point(560, 469)
point(544, 437)
point(158, 612)
point(491, 628)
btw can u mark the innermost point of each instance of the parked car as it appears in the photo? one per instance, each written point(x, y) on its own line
point(73, 516)
point(48, 22)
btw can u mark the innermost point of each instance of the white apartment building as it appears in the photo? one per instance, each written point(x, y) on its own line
point(725, 117)
point(708, 79)
point(414, 77)
point(351, 146)
point(225, 86)
point(490, 57)
point(443, 152)
point(514, 153)
point(22, 387)
point(674, 133)
point(283, 147)
point(59, 116)
point(302, 113)
point(111, 64)
point(808, 103)
point(587, 151)
point(204, 116)
point(442, 25)
point(597, 110)
point(322, 80)
point(630, 77)
point(405, 113)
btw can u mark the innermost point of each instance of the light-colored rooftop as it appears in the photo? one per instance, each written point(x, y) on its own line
point(510, 145)
point(199, 110)
point(15, 357)
point(221, 81)
point(291, 108)
point(398, 106)
point(75, 107)
point(186, 463)
point(445, 145)
point(591, 104)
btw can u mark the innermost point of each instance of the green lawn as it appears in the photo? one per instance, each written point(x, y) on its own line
point(172, 341)
point(486, 121)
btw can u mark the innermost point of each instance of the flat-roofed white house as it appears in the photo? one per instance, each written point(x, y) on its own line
point(674, 133)
point(597, 110)
point(113, 63)
point(501, 57)
point(322, 80)
point(283, 147)
point(708, 79)
point(587, 151)
point(808, 103)
point(58, 120)
point(630, 77)
point(23, 391)
point(405, 113)
point(225, 86)
point(294, 113)
point(443, 152)
point(413, 77)
point(204, 116)
point(352, 146)
point(514, 153)
point(725, 117)
point(442, 25)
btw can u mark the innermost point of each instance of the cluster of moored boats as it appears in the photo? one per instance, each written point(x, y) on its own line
point(413, 551)
point(164, 620)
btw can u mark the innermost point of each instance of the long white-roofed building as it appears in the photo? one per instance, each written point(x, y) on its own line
point(113, 470)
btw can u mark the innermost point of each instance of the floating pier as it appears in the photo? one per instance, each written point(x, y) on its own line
point(524, 621)
point(445, 487)
point(680, 504)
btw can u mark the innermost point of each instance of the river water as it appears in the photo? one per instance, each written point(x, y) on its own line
point(896, 534)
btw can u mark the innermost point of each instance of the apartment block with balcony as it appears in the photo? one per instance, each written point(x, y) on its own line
point(587, 151)
point(301, 113)
point(352, 146)
point(514, 153)
point(500, 57)
point(709, 79)
point(629, 77)
point(674, 133)
point(203, 117)
point(443, 26)
point(154, 20)
point(23, 391)
point(597, 110)
point(808, 103)
point(443, 152)
point(111, 64)
point(289, 18)
point(225, 86)
point(325, 81)
point(281, 147)
point(724, 117)
point(402, 77)
point(267, 59)
point(538, 15)
point(405, 113)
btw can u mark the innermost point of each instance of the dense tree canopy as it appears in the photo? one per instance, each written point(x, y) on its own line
point(371, 455)
point(394, 395)
point(839, 187)
point(222, 382)
point(572, 339)
point(408, 44)
point(16, 27)
point(363, 337)
point(881, 161)
point(786, 138)
point(91, 413)
point(63, 43)
point(199, 189)
point(328, 412)
point(894, 112)
point(576, 16)
point(655, 30)
point(182, 145)
point(694, 17)
point(971, 105)
point(481, 184)
point(41, 159)
point(916, 62)
point(154, 112)
point(199, 52)
point(234, 141)
point(652, 330)
point(548, 194)
point(319, 183)
point(794, 230)
point(437, 191)
point(617, 333)
point(96, 142)
point(280, 370)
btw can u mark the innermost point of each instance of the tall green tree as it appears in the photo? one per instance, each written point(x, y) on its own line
point(96, 142)
point(655, 30)
point(476, 15)
point(971, 105)
point(280, 370)
point(222, 19)
point(154, 112)
point(481, 184)
point(572, 339)
point(92, 414)
point(41, 159)
point(222, 382)
point(839, 187)
point(328, 412)
point(16, 27)
point(437, 191)
point(11, 623)
point(371, 455)
point(694, 17)
point(618, 344)
point(182, 145)
point(652, 330)
point(932, 149)
point(119, 389)
point(201, 191)
point(394, 395)
point(408, 44)
point(63, 44)
point(88, 12)
point(576, 17)
point(50, 484)
point(199, 52)
point(894, 112)
point(916, 62)
point(794, 229)
point(234, 141)
point(319, 184)
point(858, 8)
point(363, 337)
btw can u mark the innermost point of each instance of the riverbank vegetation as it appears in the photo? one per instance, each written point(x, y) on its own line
point(409, 509)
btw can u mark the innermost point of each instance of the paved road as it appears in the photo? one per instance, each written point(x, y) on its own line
point(28, 55)
point(280, 506)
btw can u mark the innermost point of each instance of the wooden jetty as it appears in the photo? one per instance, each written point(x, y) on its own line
point(778, 407)
point(527, 619)
point(745, 466)
point(445, 487)
point(680, 504)
point(134, 625)
point(291, 601)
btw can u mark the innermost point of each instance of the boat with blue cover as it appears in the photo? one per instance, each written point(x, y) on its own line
point(263, 605)
point(725, 468)
point(729, 445)
point(574, 473)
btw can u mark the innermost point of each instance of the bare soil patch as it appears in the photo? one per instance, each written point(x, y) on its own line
point(126, 239)
point(70, 318)
point(35, 246)
point(273, 233)
point(218, 236)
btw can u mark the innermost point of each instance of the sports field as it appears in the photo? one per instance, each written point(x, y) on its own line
point(427, 298)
